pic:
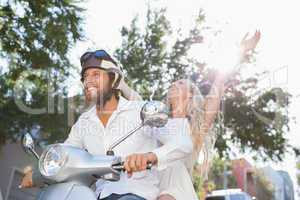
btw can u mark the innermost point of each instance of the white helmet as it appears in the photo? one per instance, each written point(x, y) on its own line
point(102, 60)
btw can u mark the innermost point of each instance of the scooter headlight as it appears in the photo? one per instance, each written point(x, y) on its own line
point(52, 160)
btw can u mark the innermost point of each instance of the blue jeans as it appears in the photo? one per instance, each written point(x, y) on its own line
point(123, 197)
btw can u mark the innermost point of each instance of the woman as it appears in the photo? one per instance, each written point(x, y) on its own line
point(186, 100)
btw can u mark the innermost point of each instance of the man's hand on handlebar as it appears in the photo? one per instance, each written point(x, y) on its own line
point(138, 162)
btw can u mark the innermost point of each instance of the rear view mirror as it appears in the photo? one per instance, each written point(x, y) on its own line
point(154, 114)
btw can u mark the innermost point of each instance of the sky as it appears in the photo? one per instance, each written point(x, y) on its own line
point(277, 51)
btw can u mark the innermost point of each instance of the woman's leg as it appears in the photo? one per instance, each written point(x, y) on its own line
point(166, 197)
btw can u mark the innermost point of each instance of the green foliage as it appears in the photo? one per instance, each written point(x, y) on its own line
point(216, 174)
point(197, 183)
point(201, 186)
point(148, 57)
point(151, 59)
point(35, 37)
point(258, 122)
point(264, 188)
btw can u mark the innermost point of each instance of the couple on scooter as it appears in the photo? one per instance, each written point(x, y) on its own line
point(173, 149)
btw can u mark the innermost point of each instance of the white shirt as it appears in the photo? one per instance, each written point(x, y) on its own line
point(89, 133)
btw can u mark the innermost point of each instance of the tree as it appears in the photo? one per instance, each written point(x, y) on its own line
point(35, 37)
point(145, 55)
point(151, 60)
point(220, 169)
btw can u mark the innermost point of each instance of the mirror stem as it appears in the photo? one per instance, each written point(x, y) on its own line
point(35, 154)
point(116, 143)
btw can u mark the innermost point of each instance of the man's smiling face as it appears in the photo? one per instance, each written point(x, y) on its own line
point(96, 84)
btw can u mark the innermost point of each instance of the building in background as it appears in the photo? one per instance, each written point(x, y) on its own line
point(243, 172)
point(264, 183)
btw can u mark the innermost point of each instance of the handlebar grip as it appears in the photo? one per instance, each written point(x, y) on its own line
point(149, 165)
point(120, 166)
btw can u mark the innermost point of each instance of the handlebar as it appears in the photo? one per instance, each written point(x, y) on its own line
point(120, 166)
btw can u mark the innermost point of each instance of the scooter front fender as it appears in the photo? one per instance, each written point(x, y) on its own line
point(67, 191)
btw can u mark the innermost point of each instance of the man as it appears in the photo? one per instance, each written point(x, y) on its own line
point(112, 117)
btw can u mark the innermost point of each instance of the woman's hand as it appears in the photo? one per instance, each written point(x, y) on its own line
point(247, 46)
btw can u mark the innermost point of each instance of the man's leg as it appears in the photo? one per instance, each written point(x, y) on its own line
point(111, 197)
point(131, 197)
point(123, 197)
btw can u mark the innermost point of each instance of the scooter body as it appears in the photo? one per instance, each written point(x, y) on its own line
point(76, 170)
point(67, 191)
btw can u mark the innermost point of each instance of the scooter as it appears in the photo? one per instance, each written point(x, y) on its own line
point(69, 172)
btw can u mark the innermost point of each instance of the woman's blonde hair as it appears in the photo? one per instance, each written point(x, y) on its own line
point(195, 114)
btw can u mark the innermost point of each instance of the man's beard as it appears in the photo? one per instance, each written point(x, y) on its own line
point(98, 98)
point(104, 97)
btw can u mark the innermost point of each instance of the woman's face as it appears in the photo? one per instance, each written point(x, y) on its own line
point(179, 94)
